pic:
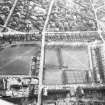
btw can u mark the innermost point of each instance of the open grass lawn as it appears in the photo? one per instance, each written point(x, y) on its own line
point(16, 60)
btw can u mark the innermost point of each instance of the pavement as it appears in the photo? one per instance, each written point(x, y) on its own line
point(4, 102)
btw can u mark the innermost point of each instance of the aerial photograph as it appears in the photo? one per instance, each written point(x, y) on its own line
point(52, 52)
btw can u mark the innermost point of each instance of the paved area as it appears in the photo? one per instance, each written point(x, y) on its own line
point(4, 102)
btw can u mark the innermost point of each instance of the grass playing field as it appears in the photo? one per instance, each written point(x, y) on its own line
point(16, 60)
